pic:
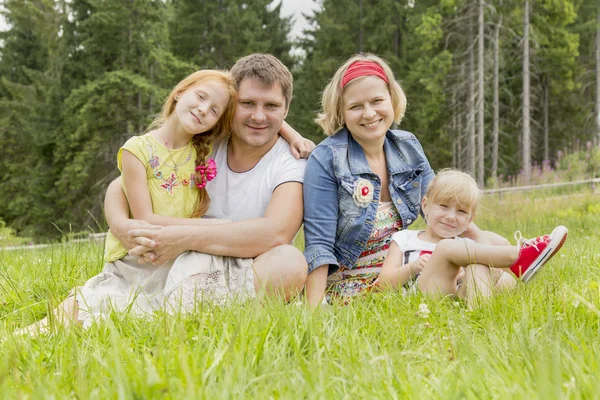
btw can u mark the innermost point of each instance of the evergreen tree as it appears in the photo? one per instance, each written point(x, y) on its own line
point(215, 34)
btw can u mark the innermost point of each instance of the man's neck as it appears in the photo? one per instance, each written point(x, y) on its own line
point(242, 157)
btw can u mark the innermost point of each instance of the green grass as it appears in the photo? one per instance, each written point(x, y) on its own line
point(540, 341)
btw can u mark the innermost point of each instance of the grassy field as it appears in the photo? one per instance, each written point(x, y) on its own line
point(540, 341)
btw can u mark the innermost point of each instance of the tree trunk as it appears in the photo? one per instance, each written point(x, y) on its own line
point(471, 105)
point(480, 98)
point(598, 73)
point(545, 100)
point(496, 100)
point(360, 29)
point(526, 112)
point(455, 131)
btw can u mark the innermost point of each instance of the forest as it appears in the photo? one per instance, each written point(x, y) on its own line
point(495, 87)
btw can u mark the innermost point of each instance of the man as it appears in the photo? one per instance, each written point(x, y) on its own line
point(258, 186)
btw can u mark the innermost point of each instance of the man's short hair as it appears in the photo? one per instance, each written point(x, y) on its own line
point(266, 69)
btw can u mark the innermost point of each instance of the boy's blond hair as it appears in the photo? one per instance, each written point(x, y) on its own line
point(453, 185)
point(331, 118)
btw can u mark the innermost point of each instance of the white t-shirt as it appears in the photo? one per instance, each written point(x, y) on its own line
point(245, 195)
point(412, 247)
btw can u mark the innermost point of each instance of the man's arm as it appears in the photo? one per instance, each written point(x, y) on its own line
point(248, 238)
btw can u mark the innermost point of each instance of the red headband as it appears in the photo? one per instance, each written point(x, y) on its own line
point(363, 68)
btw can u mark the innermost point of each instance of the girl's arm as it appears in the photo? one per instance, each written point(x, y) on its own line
point(393, 274)
point(138, 195)
point(299, 146)
point(315, 286)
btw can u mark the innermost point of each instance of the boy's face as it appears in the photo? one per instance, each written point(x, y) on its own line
point(446, 219)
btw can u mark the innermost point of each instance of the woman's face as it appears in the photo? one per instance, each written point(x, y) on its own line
point(367, 109)
point(201, 105)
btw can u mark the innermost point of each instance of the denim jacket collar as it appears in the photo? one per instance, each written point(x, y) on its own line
point(358, 161)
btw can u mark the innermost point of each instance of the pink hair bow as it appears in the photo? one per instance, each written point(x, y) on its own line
point(206, 173)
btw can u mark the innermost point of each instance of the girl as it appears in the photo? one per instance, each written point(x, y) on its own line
point(164, 174)
point(432, 259)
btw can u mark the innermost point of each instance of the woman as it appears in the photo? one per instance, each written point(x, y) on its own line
point(348, 234)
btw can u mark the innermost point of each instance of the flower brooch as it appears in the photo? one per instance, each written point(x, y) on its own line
point(206, 173)
point(363, 192)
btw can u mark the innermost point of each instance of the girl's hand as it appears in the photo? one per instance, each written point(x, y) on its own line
point(302, 148)
point(417, 265)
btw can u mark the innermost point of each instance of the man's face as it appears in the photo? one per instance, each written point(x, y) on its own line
point(259, 112)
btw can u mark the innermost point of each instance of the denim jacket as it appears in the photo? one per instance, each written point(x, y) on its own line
point(336, 227)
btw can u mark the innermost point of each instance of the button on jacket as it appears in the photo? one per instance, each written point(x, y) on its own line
point(337, 220)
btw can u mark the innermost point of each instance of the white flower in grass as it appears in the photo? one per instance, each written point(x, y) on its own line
point(450, 322)
point(576, 303)
point(559, 316)
point(570, 384)
point(423, 311)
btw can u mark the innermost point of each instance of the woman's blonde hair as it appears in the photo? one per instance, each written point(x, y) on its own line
point(331, 118)
point(202, 141)
point(453, 185)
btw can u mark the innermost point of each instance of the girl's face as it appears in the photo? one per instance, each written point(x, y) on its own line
point(367, 109)
point(446, 219)
point(200, 106)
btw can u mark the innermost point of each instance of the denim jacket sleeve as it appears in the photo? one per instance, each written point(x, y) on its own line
point(320, 209)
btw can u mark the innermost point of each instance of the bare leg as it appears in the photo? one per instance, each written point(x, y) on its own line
point(64, 315)
point(280, 271)
point(504, 281)
point(439, 276)
point(478, 283)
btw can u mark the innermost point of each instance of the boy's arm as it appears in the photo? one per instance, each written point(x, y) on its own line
point(299, 146)
point(485, 237)
point(247, 238)
point(393, 274)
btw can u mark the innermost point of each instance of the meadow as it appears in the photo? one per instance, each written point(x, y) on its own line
point(539, 341)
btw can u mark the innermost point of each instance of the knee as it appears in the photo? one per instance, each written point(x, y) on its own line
point(445, 246)
point(290, 259)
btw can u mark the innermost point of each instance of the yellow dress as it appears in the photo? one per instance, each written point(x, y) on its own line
point(124, 284)
point(170, 176)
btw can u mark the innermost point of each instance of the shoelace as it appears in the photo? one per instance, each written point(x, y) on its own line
point(522, 242)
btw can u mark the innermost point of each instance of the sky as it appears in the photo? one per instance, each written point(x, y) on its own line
point(296, 8)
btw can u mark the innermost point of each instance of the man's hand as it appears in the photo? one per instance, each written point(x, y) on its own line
point(302, 148)
point(157, 244)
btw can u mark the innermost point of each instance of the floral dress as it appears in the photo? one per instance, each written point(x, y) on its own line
point(348, 282)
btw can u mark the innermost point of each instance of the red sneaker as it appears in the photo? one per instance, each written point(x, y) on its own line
point(536, 252)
